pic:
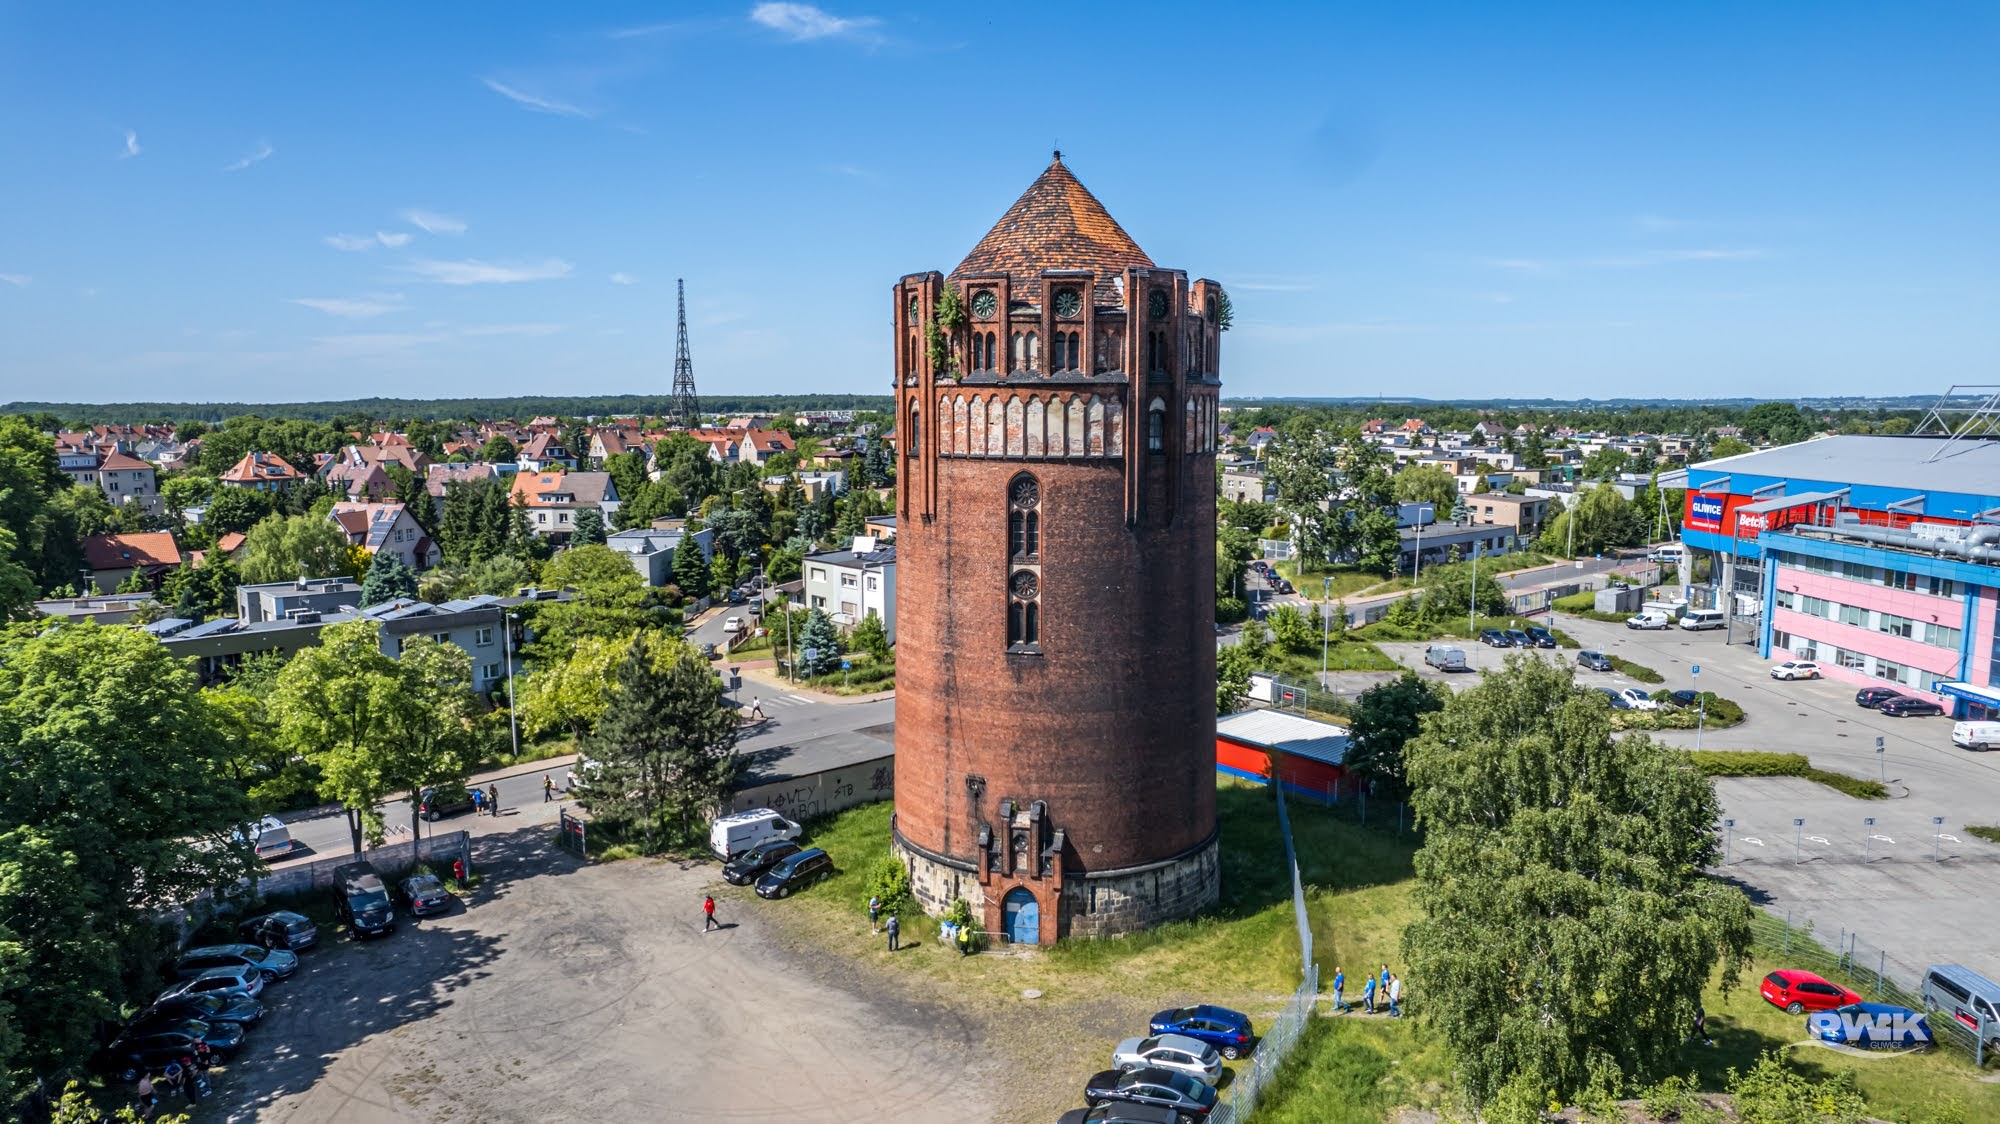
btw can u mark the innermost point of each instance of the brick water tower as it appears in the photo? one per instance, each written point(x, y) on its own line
point(1055, 686)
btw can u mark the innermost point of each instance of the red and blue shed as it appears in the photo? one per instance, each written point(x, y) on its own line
point(1310, 755)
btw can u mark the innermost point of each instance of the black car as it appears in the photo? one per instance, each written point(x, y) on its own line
point(1542, 637)
point(1872, 697)
point(1494, 638)
point(1617, 701)
point(1686, 700)
point(749, 866)
point(211, 1009)
point(807, 868)
point(1902, 706)
point(1162, 1088)
point(154, 1043)
point(1284, 586)
point(280, 929)
point(1593, 661)
point(1122, 1112)
point(361, 900)
point(1518, 639)
point(434, 803)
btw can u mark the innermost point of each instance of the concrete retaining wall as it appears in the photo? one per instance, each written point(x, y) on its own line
point(816, 794)
point(389, 859)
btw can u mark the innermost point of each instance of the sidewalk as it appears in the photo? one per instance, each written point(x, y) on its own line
point(768, 676)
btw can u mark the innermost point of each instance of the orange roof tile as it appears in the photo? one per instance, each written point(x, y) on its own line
point(1055, 224)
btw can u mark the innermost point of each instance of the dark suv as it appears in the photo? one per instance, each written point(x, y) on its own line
point(807, 868)
point(1542, 637)
point(434, 803)
point(280, 929)
point(749, 866)
point(361, 900)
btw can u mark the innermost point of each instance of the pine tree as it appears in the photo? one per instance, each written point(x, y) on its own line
point(690, 568)
point(664, 746)
point(822, 640)
point(589, 528)
point(388, 579)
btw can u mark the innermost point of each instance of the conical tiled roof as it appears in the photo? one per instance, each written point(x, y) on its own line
point(1055, 224)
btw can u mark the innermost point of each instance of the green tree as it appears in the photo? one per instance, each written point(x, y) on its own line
point(568, 695)
point(388, 579)
point(135, 581)
point(1605, 463)
point(589, 528)
point(75, 1106)
point(501, 575)
point(1233, 665)
point(114, 803)
point(44, 542)
point(498, 450)
point(664, 745)
point(236, 510)
point(431, 733)
point(285, 547)
point(1301, 462)
point(205, 590)
point(85, 510)
point(1386, 717)
point(1448, 592)
point(1567, 924)
point(1293, 631)
point(1426, 483)
point(1234, 550)
point(1781, 422)
point(1602, 519)
point(870, 636)
point(691, 569)
point(818, 645)
point(1728, 447)
point(335, 705)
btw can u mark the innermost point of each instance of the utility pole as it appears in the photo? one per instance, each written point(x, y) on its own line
point(513, 723)
point(1472, 598)
point(686, 405)
point(1701, 719)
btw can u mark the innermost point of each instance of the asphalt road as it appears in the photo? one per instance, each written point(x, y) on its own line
point(790, 718)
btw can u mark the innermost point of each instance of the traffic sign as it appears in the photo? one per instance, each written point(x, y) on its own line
point(810, 654)
point(1697, 669)
point(846, 665)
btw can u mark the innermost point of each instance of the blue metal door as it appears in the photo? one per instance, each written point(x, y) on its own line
point(1022, 917)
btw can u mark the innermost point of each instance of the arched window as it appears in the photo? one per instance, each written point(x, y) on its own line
point(1034, 352)
point(915, 441)
point(1024, 571)
point(1156, 426)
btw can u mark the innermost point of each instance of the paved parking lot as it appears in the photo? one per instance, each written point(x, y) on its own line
point(1924, 893)
point(573, 992)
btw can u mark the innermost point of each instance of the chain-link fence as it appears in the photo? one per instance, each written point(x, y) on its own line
point(1863, 968)
point(1261, 1068)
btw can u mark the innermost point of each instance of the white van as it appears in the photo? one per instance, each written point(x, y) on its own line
point(1444, 657)
point(1975, 735)
point(274, 840)
point(737, 832)
point(1695, 619)
point(1671, 553)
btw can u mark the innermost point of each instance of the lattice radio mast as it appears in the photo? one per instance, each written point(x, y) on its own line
point(686, 404)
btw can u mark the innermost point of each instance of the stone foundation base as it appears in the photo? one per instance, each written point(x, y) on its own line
point(1093, 905)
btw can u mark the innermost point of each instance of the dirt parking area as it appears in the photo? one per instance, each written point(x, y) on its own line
point(1479, 657)
point(562, 991)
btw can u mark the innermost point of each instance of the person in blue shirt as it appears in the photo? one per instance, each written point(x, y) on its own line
point(1339, 985)
point(1385, 980)
point(1368, 995)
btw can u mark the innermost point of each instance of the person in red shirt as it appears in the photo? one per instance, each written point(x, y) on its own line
point(708, 913)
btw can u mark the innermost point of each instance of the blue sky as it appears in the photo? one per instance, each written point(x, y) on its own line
point(288, 202)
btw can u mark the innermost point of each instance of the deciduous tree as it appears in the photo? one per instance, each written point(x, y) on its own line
point(1386, 717)
point(664, 746)
point(1567, 924)
point(284, 547)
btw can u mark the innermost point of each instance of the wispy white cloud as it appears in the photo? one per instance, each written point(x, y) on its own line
point(18, 280)
point(430, 222)
point(131, 146)
point(1534, 266)
point(854, 171)
point(261, 153)
point(352, 243)
point(394, 239)
point(802, 22)
point(359, 308)
point(1659, 224)
point(623, 278)
point(643, 30)
point(488, 273)
point(511, 330)
point(535, 102)
point(1545, 267)
point(1271, 283)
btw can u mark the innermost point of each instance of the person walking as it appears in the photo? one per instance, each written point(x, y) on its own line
point(708, 913)
point(149, 1101)
point(1395, 997)
point(1384, 988)
point(548, 788)
point(478, 802)
point(894, 929)
point(1339, 985)
point(874, 914)
point(756, 709)
point(1701, 1025)
point(493, 798)
point(1368, 995)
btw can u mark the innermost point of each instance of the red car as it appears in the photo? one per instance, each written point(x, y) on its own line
point(1799, 992)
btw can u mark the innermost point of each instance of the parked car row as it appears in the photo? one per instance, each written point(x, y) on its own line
point(204, 1016)
point(760, 848)
point(1531, 637)
point(1277, 581)
point(1169, 1075)
point(1839, 1015)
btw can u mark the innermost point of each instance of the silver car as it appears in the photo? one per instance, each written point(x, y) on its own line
point(274, 963)
point(1177, 1052)
point(242, 981)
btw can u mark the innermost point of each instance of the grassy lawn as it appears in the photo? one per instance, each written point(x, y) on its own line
point(533, 751)
point(1985, 831)
point(1347, 580)
point(1341, 655)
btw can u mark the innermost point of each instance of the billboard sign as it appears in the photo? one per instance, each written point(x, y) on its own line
point(1704, 513)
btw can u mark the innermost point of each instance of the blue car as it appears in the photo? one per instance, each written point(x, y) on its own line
point(1226, 1030)
point(1871, 1025)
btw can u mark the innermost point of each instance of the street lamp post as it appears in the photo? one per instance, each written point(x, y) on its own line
point(1472, 597)
point(513, 723)
point(1325, 627)
point(1701, 716)
point(791, 657)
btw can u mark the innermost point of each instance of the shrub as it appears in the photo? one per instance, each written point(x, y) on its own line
point(889, 880)
point(1640, 672)
point(1761, 763)
point(1229, 610)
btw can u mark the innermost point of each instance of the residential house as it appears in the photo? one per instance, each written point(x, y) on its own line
point(386, 527)
point(277, 601)
point(544, 452)
point(361, 471)
point(812, 484)
point(109, 608)
point(266, 472)
point(552, 499)
point(612, 441)
point(1261, 436)
point(1245, 483)
point(651, 552)
point(881, 527)
point(854, 584)
point(110, 559)
point(127, 479)
point(1526, 515)
point(438, 475)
